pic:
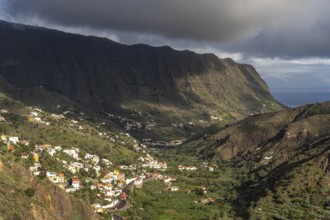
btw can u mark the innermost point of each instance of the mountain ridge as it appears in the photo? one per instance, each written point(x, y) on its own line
point(104, 75)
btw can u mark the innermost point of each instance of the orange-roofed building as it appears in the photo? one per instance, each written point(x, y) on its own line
point(10, 148)
point(123, 196)
point(75, 182)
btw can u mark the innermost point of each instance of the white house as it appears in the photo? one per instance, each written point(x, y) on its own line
point(3, 138)
point(168, 179)
point(75, 182)
point(71, 189)
point(37, 119)
point(89, 156)
point(35, 114)
point(72, 152)
point(13, 140)
point(2, 118)
point(4, 111)
point(106, 162)
point(174, 188)
point(77, 166)
point(138, 182)
point(52, 152)
point(57, 116)
point(51, 174)
point(58, 148)
point(97, 168)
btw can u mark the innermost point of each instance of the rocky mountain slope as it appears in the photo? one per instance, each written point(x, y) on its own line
point(148, 84)
point(286, 158)
point(283, 133)
point(47, 202)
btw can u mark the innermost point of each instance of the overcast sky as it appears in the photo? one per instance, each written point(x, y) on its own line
point(287, 41)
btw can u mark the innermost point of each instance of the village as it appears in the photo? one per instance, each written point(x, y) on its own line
point(79, 171)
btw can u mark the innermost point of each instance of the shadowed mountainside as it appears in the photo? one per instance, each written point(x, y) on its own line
point(166, 85)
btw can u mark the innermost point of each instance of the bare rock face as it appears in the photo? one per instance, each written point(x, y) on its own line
point(49, 202)
point(59, 205)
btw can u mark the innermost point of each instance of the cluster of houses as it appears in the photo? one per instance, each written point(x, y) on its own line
point(167, 180)
point(191, 168)
point(215, 118)
point(132, 125)
point(11, 141)
point(108, 184)
point(36, 117)
point(108, 181)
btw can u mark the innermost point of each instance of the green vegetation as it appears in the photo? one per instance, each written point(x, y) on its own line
point(30, 192)
point(155, 200)
point(158, 204)
point(272, 166)
point(281, 160)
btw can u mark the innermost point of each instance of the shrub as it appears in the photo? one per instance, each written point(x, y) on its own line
point(42, 175)
point(29, 192)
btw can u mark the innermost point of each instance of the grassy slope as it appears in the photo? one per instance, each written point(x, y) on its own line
point(61, 133)
point(49, 201)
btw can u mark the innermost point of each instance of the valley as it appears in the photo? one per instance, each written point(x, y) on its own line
point(107, 170)
point(94, 129)
point(253, 168)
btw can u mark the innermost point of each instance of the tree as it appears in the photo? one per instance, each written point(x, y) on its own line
point(42, 175)
point(83, 172)
point(199, 191)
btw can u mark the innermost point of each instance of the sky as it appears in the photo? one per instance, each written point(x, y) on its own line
point(287, 41)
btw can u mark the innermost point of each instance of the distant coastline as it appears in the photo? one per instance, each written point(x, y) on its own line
point(297, 97)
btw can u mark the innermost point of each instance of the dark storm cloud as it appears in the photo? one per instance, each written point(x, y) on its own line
point(281, 28)
point(215, 20)
point(288, 44)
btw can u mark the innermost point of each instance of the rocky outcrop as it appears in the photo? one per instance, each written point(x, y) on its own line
point(49, 202)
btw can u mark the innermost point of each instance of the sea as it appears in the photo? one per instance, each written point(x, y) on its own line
point(298, 97)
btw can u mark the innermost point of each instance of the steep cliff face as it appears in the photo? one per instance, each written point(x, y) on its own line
point(48, 202)
point(104, 75)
